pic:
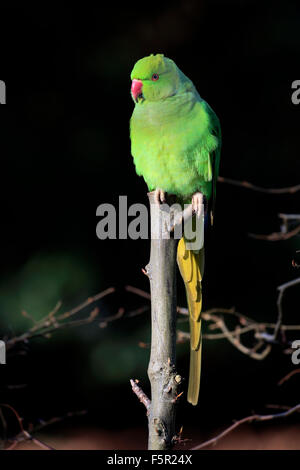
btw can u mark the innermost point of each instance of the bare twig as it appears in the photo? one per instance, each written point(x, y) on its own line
point(282, 288)
point(246, 184)
point(277, 236)
point(278, 407)
point(53, 322)
point(288, 376)
point(140, 394)
point(286, 217)
point(248, 419)
point(285, 233)
point(56, 419)
point(257, 327)
point(247, 325)
point(25, 434)
point(139, 292)
point(219, 322)
point(116, 316)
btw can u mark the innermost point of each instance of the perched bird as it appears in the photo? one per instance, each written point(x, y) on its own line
point(175, 144)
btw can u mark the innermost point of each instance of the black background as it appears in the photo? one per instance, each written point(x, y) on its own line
point(65, 149)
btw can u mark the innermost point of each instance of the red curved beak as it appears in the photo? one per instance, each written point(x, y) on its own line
point(136, 88)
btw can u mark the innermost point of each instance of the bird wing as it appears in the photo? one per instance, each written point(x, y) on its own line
point(215, 155)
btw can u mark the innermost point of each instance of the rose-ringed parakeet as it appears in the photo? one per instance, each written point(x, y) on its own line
point(175, 144)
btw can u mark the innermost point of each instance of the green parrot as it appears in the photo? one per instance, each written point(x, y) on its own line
point(175, 144)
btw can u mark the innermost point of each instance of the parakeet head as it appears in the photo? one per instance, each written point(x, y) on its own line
point(154, 78)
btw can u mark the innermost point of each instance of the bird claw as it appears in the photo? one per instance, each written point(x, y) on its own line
point(197, 203)
point(159, 196)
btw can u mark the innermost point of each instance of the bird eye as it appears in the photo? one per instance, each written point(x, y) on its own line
point(155, 77)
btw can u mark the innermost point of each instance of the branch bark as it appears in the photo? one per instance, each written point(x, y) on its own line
point(164, 379)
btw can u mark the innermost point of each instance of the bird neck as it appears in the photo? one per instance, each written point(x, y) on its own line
point(164, 111)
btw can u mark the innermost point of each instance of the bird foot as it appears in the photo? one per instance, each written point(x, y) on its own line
point(197, 203)
point(159, 196)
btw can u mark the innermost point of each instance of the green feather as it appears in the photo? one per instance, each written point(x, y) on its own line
point(175, 136)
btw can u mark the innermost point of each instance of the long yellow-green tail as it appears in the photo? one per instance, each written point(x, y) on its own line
point(191, 266)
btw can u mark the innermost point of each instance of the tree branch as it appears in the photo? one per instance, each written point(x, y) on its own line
point(247, 325)
point(246, 184)
point(248, 419)
point(285, 233)
point(164, 380)
point(288, 376)
point(140, 394)
point(53, 322)
point(276, 236)
point(25, 435)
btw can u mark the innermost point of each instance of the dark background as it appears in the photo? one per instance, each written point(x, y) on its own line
point(65, 149)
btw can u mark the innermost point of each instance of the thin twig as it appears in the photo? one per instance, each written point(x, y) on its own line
point(248, 419)
point(260, 330)
point(235, 342)
point(276, 236)
point(288, 376)
point(284, 233)
point(53, 322)
point(117, 316)
point(56, 419)
point(87, 302)
point(25, 434)
point(246, 184)
point(282, 288)
point(137, 291)
point(140, 394)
